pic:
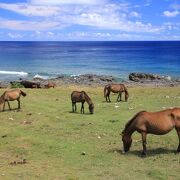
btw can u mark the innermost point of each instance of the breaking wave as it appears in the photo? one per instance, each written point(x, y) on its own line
point(14, 73)
point(41, 77)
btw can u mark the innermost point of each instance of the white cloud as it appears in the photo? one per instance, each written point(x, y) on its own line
point(60, 2)
point(15, 35)
point(172, 26)
point(175, 6)
point(29, 25)
point(100, 16)
point(171, 13)
point(135, 14)
point(31, 10)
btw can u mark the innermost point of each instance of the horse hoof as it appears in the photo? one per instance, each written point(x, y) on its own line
point(143, 154)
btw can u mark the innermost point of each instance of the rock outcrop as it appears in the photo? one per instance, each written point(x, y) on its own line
point(138, 77)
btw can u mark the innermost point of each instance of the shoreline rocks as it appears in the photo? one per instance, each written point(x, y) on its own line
point(139, 77)
point(135, 80)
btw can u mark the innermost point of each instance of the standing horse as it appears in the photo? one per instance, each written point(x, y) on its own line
point(11, 96)
point(115, 88)
point(81, 97)
point(158, 123)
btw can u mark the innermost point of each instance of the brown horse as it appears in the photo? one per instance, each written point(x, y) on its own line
point(11, 96)
point(115, 88)
point(82, 96)
point(158, 123)
point(49, 85)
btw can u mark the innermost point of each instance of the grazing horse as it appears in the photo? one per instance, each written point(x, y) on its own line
point(82, 96)
point(158, 123)
point(29, 84)
point(11, 96)
point(49, 85)
point(115, 88)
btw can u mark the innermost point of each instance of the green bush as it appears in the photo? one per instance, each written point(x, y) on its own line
point(16, 85)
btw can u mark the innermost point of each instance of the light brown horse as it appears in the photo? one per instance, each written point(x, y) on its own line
point(11, 96)
point(158, 123)
point(82, 97)
point(115, 88)
point(49, 85)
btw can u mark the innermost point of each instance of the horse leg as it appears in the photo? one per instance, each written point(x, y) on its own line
point(75, 106)
point(19, 104)
point(108, 95)
point(4, 105)
point(82, 108)
point(178, 132)
point(72, 107)
point(106, 98)
point(9, 105)
point(143, 134)
point(118, 97)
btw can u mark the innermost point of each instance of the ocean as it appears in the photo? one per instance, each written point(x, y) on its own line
point(51, 59)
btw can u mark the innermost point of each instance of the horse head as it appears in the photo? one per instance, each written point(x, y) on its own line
point(127, 141)
point(91, 108)
point(126, 97)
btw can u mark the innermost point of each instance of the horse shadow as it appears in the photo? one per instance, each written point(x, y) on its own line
point(150, 152)
point(104, 101)
point(79, 113)
point(12, 109)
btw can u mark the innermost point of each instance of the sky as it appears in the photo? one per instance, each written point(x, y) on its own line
point(89, 20)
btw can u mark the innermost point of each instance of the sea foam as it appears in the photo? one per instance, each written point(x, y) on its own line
point(41, 77)
point(14, 73)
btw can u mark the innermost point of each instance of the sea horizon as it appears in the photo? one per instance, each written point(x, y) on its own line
point(49, 59)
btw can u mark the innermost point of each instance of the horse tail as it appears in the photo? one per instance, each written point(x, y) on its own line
point(105, 90)
point(131, 121)
point(23, 93)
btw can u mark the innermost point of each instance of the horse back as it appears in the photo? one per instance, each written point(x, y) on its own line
point(159, 123)
point(11, 95)
point(117, 88)
point(77, 96)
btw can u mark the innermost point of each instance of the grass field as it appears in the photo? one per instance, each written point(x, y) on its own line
point(51, 138)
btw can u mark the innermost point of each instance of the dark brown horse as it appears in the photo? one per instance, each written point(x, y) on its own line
point(29, 84)
point(82, 97)
point(11, 96)
point(115, 88)
point(158, 123)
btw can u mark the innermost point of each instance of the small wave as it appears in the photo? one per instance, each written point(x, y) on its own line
point(41, 77)
point(14, 73)
point(74, 75)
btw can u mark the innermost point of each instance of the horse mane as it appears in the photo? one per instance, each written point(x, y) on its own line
point(131, 121)
point(23, 93)
point(87, 98)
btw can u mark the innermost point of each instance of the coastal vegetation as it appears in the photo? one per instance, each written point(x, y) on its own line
point(45, 140)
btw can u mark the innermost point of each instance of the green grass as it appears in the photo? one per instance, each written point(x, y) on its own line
point(52, 144)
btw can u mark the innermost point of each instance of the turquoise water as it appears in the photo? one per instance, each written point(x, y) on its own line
point(50, 59)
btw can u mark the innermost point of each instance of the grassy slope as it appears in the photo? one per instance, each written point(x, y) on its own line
point(53, 143)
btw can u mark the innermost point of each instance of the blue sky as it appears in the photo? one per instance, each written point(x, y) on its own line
point(78, 20)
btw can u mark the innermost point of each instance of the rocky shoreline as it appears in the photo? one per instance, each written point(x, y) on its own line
point(135, 80)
